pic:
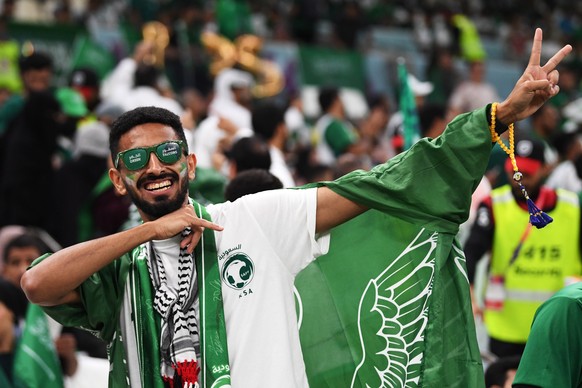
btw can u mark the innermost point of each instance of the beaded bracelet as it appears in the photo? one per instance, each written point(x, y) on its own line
point(537, 217)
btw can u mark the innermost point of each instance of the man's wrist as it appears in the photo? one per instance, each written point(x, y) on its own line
point(504, 114)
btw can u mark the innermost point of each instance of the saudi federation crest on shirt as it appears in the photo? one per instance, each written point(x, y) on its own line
point(238, 271)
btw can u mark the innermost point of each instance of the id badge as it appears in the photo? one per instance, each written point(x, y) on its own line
point(495, 293)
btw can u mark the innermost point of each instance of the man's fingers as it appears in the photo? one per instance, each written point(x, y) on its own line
point(554, 77)
point(533, 86)
point(536, 49)
point(189, 242)
point(554, 61)
point(200, 222)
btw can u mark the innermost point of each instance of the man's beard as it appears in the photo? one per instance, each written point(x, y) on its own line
point(163, 205)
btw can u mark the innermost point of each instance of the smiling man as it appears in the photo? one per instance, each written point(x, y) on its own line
point(183, 301)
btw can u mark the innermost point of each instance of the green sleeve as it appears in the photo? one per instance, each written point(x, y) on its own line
point(339, 137)
point(432, 182)
point(553, 353)
point(101, 297)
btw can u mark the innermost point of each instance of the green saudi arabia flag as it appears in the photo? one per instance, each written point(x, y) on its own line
point(36, 363)
point(365, 310)
point(389, 304)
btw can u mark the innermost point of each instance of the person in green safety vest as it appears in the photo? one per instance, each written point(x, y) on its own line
point(527, 265)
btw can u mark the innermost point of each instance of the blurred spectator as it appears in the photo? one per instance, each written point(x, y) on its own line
point(317, 173)
point(569, 86)
point(501, 372)
point(442, 74)
point(249, 153)
point(299, 131)
point(19, 253)
point(350, 162)
point(7, 233)
point(86, 82)
point(526, 268)
point(336, 135)
point(29, 150)
point(472, 93)
point(13, 305)
point(36, 72)
point(432, 118)
point(250, 182)
point(76, 180)
point(195, 108)
point(135, 83)
point(373, 128)
point(568, 173)
point(146, 91)
point(228, 114)
point(269, 123)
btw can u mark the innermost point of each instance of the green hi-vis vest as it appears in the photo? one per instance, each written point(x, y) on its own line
point(546, 258)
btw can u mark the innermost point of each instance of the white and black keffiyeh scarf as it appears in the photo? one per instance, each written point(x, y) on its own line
point(179, 335)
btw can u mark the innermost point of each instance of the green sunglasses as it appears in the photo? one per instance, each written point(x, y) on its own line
point(168, 152)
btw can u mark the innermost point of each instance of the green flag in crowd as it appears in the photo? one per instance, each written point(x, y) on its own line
point(36, 363)
point(411, 124)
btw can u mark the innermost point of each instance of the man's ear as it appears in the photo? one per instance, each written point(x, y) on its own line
point(117, 181)
point(191, 160)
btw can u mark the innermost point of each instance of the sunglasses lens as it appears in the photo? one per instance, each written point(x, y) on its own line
point(135, 159)
point(169, 152)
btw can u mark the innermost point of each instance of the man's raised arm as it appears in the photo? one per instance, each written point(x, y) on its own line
point(391, 187)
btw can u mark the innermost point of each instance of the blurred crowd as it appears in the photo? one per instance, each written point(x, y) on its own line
point(54, 151)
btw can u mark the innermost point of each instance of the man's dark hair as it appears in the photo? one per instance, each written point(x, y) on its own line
point(327, 96)
point(24, 241)
point(250, 152)
point(250, 182)
point(143, 115)
point(146, 75)
point(35, 61)
point(427, 115)
point(266, 118)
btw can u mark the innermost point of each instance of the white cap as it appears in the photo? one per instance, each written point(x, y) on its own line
point(419, 88)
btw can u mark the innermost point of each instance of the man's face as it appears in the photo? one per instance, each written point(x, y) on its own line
point(37, 80)
point(16, 262)
point(242, 95)
point(158, 188)
point(531, 182)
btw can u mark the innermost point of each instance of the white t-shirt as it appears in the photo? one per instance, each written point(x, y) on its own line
point(267, 239)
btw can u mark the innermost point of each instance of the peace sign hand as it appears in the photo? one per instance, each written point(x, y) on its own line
point(536, 85)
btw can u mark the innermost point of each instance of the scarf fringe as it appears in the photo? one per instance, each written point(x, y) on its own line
point(185, 375)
